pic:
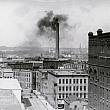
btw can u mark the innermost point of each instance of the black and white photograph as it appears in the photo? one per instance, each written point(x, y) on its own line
point(54, 54)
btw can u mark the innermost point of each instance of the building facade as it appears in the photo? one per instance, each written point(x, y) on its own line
point(99, 71)
point(60, 84)
point(7, 73)
point(25, 77)
point(79, 65)
point(53, 64)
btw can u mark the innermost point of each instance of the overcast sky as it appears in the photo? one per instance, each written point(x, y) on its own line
point(18, 20)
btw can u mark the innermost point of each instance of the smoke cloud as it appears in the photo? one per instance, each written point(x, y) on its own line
point(46, 25)
point(49, 20)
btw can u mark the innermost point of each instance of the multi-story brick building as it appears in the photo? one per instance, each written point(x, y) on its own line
point(26, 78)
point(53, 64)
point(59, 84)
point(99, 71)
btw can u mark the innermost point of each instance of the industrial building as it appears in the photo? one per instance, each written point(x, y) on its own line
point(26, 78)
point(79, 65)
point(99, 71)
point(59, 84)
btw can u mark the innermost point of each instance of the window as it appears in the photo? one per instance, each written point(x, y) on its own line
point(66, 81)
point(59, 81)
point(103, 79)
point(80, 81)
point(63, 81)
point(80, 95)
point(69, 94)
point(59, 88)
point(90, 70)
point(102, 92)
point(63, 88)
point(66, 88)
point(84, 80)
point(73, 88)
point(73, 93)
point(107, 94)
point(70, 81)
point(59, 95)
point(70, 88)
point(77, 94)
point(75, 107)
point(76, 88)
point(73, 81)
point(80, 88)
point(66, 95)
point(84, 95)
point(63, 95)
point(77, 81)
point(84, 88)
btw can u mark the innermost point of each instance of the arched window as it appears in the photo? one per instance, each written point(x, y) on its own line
point(90, 70)
point(95, 71)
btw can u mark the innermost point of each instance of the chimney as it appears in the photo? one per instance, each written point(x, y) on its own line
point(57, 39)
point(90, 34)
point(99, 32)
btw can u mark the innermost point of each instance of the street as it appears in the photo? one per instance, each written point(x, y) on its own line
point(37, 104)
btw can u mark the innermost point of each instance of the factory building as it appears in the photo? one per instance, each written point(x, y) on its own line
point(57, 85)
point(53, 64)
point(99, 71)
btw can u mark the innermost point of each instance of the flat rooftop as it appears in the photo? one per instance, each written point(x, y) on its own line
point(9, 84)
point(68, 73)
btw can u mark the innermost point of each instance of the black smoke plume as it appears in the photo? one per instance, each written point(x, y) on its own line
point(46, 25)
point(44, 33)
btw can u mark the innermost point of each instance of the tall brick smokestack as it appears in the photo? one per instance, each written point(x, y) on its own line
point(57, 39)
point(48, 26)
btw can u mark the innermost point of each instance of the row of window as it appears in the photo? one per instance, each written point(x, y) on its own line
point(74, 66)
point(65, 95)
point(23, 79)
point(25, 85)
point(8, 77)
point(23, 74)
point(75, 88)
point(95, 71)
point(69, 81)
